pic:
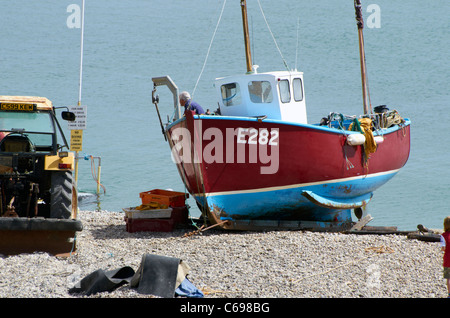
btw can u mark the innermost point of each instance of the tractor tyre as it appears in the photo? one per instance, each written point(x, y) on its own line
point(61, 195)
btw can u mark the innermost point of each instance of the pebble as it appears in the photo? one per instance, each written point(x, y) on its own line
point(274, 264)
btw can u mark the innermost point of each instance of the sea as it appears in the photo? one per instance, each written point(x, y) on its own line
point(127, 43)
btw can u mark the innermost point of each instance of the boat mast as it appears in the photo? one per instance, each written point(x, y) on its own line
point(362, 56)
point(248, 55)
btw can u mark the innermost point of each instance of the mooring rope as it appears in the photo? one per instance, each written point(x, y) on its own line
point(377, 249)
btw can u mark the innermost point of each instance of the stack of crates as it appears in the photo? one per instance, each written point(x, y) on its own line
point(162, 220)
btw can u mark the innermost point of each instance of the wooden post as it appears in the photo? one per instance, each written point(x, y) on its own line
point(362, 56)
point(248, 55)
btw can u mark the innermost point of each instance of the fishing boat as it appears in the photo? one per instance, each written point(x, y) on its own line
point(258, 164)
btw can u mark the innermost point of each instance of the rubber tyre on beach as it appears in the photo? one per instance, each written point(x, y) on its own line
point(61, 195)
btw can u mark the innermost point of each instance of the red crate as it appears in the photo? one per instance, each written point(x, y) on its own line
point(169, 198)
point(149, 225)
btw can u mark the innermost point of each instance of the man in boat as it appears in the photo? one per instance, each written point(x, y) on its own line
point(185, 100)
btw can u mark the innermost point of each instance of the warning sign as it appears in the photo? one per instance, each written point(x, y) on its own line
point(76, 140)
point(80, 117)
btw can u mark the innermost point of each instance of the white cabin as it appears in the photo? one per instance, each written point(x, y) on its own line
point(277, 95)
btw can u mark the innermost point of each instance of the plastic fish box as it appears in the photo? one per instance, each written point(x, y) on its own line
point(132, 213)
point(149, 225)
point(166, 197)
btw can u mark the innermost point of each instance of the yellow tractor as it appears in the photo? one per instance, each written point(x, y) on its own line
point(35, 165)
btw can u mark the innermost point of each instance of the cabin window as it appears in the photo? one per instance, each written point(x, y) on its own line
point(260, 91)
point(298, 91)
point(285, 93)
point(231, 94)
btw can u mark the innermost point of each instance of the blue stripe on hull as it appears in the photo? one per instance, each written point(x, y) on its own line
point(291, 203)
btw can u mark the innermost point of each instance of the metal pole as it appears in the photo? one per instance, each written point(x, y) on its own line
point(98, 175)
point(81, 81)
point(81, 53)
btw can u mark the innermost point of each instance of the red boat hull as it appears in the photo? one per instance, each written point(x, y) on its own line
point(221, 159)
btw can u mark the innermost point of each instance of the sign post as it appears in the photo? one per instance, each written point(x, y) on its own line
point(76, 132)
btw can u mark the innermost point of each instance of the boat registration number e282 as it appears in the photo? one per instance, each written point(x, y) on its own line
point(262, 136)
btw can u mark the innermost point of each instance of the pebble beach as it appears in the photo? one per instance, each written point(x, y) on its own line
point(275, 264)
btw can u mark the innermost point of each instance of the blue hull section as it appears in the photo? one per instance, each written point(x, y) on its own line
point(319, 205)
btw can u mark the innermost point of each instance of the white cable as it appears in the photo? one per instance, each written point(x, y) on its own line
point(209, 49)
point(273, 37)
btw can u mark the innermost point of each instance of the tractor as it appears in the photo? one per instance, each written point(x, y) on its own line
point(35, 162)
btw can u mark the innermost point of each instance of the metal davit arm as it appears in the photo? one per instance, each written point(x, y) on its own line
point(167, 81)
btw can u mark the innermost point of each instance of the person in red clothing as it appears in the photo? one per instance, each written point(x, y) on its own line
point(445, 243)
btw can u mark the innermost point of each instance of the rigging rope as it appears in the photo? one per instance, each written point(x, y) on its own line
point(273, 37)
point(209, 49)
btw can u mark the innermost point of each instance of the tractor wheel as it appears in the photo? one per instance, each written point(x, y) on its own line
point(61, 195)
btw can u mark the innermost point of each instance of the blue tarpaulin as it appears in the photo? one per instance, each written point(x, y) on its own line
point(187, 289)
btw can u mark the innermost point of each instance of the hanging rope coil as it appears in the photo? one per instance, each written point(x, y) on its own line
point(393, 118)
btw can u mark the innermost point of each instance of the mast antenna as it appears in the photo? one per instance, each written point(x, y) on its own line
point(296, 48)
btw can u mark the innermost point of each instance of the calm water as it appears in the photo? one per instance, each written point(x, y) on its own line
point(129, 42)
